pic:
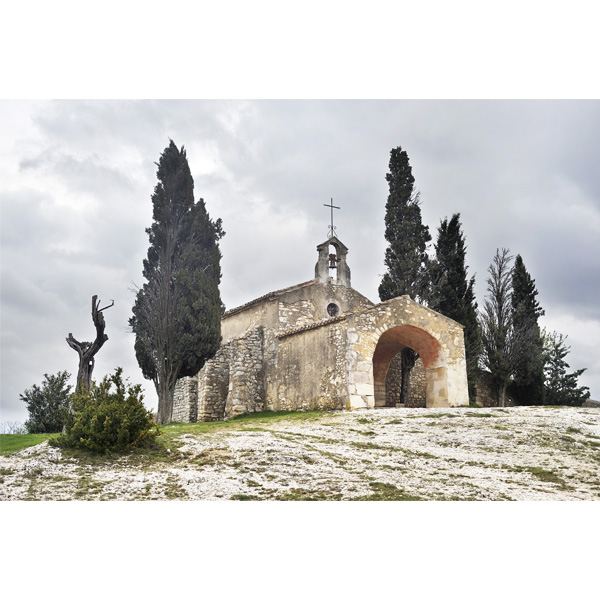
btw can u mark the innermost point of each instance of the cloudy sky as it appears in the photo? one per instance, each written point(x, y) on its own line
point(76, 179)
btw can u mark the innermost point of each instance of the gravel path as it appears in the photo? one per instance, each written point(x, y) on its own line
point(522, 453)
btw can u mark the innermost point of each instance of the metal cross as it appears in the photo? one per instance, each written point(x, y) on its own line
point(331, 227)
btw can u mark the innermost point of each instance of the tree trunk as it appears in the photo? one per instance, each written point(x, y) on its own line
point(409, 357)
point(502, 396)
point(87, 350)
point(165, 402)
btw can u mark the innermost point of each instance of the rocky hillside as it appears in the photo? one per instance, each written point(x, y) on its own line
point(521, 453)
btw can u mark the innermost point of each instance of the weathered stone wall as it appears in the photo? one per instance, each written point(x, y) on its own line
point(185, 400)
point(296, 314)
point(418, 384)
point(262, 312)
point(309, 369)
point(246, 375)
point(308, 303)
point(213, 386)
point(485, 394)
point(230, 384)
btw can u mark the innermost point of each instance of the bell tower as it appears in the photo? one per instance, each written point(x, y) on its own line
point(332, 261)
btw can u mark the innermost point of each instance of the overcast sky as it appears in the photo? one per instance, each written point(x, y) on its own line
point(76, 179)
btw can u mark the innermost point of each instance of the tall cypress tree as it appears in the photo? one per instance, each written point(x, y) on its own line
point(528, 378)
point(406, 256)
point(177, 312)
point(452, 293)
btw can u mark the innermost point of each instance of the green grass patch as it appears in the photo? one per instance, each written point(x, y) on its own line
point(11, 442)
point(369, 446)
point(479, 415)
point(244, 497)
point(568, 439)
point(387, 492)
point(367, 433)
point(311, 495)
point(540, 473)
point(242, 422)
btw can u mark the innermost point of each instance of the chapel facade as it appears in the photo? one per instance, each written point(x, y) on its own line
point(323, 345)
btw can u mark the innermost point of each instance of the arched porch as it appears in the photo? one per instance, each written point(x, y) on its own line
point(392, 342)
point(375, 337)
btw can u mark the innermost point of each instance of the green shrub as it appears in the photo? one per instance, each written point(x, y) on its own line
point(102, 420)
point(46, 403)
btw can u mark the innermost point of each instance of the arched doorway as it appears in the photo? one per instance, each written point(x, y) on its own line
point(389, 347)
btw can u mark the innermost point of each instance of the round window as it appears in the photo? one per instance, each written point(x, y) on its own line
point(333, 310)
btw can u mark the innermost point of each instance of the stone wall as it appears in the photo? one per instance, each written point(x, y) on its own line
point(246, 392)
point(185, 400)
point(296, 314)
point(230, 384)
point(308, 370)
point(213, 386)
point(418, 384)
point(485, 395)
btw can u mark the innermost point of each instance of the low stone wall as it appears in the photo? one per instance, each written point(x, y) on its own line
point(246, 390)
point(185, 400)
point(213, 386)
point(230, 384)
point(486, 396)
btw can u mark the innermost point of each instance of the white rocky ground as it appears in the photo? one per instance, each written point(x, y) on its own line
point(521, 453)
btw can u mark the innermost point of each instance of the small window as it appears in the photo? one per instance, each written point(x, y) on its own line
point(333, 310)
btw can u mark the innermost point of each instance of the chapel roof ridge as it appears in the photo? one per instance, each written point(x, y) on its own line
point(269, 296)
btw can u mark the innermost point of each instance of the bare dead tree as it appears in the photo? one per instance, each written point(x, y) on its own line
point(87, 350)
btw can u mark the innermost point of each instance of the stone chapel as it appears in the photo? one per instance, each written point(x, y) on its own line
point(323, 345)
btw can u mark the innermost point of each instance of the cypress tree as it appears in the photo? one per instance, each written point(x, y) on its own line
point(527, 386)
point(452, 293)
point(406, 256)
point(177, 312)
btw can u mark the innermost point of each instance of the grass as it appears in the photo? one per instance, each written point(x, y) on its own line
point(542, 474)
point(13, 442)
point(240, 422)
point(387, 491)
point(305, 494)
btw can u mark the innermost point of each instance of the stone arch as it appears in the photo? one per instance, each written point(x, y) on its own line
point(394, 340)
point(377, 334)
